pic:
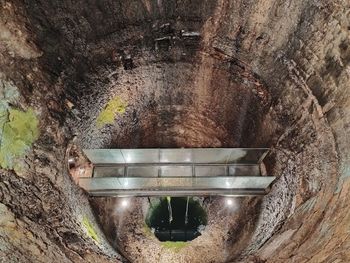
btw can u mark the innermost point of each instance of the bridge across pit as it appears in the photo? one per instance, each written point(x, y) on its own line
point(176, 172)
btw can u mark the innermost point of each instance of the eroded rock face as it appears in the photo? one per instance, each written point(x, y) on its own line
point(191, 74)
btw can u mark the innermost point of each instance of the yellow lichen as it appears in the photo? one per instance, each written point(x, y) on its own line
point(107, 115)
point(175, 246)
point(18, 130)
point(90, 231)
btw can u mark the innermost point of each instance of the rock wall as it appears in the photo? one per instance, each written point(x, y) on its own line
point(193, 74)
point(41, 210)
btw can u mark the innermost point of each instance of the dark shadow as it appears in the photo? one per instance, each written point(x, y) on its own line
point(177, 229)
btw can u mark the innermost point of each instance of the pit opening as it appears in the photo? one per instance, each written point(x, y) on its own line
point(176, 218)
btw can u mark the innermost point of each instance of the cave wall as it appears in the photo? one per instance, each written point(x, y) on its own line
point(309, 77)
point(41, 211)
point(297, 52)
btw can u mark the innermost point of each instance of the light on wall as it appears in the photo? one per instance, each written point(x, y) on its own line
point(229, 201)
point(124, 202)
point(232, 203)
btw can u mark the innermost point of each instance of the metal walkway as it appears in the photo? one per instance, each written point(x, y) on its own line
point(176, 172)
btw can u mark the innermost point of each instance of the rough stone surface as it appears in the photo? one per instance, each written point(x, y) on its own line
point(269, 73)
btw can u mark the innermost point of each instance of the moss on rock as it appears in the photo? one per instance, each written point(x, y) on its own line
point(18, 129)
point(175, 246)
point(90, 229)
point(114, 106)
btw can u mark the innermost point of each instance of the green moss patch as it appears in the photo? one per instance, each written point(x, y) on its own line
point(90, 231)
point(175, 246)
point(18, 130)
point(107, 115)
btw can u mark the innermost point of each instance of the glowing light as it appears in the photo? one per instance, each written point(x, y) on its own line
point(124, 203)
point(232, 203)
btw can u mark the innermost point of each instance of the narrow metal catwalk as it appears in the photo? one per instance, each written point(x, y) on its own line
point(176, 172)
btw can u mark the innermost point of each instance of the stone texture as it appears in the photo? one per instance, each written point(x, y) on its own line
point(261, 73)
